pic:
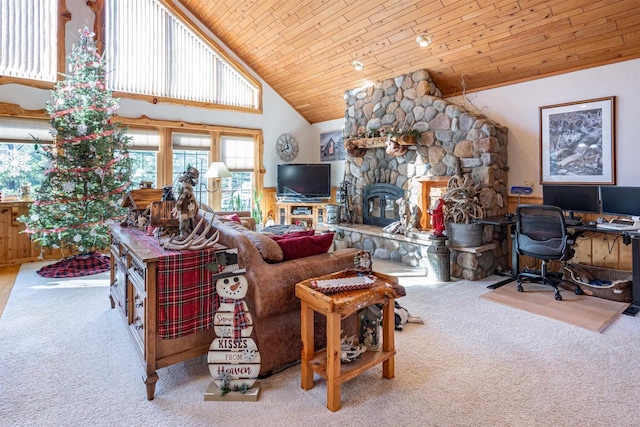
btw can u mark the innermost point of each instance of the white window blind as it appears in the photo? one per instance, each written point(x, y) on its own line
point(190, 141)
point(13, 129)
point(28, 39)
point(163, 57)
point(237, 153)
point(144, 139)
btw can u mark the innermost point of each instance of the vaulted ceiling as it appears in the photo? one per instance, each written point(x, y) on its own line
point(304, 49)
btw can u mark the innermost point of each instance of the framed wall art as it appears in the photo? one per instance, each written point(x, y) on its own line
point(331, 146)
point(577, 142)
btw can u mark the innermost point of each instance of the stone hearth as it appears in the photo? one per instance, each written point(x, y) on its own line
point(466, 263)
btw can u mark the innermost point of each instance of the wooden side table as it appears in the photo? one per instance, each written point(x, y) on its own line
point(337, 307)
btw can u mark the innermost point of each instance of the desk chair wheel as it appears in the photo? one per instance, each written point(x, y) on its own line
point(578, 291)
point(520, 288)
point(557, 296)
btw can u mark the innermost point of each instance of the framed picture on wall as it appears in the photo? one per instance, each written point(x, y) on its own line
point(577, 142)
point(331, 147)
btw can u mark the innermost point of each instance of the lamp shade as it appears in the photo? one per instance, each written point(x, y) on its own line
point(217, 170)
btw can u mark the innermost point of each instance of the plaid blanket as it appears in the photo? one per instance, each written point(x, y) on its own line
point(186, 289)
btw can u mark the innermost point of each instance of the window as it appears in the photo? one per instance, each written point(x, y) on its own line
point(144, 152)
point(191, 149)
point(21, 157)
point(29, 39)
point(237, 191)
point(168, 57)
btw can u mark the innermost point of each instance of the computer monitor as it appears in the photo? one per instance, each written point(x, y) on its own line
point(621, 201)
point(572, 198)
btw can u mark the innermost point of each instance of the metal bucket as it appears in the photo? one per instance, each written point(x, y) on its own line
point(465, 235)
point(333, 214)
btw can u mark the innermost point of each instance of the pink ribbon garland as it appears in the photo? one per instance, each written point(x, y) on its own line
point(78, 170)
point(83, 199)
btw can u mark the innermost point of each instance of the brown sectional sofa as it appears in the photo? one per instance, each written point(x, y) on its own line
point(271, 297)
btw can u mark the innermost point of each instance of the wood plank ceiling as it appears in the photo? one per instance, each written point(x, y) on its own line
point(304, 49)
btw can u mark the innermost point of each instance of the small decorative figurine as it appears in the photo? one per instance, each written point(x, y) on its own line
point(437, 217)
point(167, 194)
point(25, 191)
point(362, 263)
point(187, 205)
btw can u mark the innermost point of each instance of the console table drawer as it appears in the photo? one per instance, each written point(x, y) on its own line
point(137, 274)
point(139, 317)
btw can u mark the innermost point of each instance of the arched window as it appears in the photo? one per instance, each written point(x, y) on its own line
point(169, 58)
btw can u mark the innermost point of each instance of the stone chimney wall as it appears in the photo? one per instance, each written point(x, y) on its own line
point(453, 140)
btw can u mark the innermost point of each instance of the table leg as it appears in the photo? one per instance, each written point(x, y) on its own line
point(306, 333)
point(388, 366)
point(333, 361)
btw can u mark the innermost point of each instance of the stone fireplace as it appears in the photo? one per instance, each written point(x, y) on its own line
point(453, 140)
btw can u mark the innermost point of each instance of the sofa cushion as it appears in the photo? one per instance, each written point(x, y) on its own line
point(268, 248)
point(277, 237)
point(232, 217)
point(304, 246)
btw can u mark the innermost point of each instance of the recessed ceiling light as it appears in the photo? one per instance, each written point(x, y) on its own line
point(357, 65)
point(423, 40)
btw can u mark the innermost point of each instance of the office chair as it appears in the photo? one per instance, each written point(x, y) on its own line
point(541, 233)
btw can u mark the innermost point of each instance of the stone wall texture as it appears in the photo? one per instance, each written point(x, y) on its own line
point(452, 141)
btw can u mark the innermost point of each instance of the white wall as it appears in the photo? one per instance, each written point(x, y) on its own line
point(517, 107)
point(278, 116)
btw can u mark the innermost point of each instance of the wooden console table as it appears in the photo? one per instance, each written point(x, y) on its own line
point(337, 307)
point(139, 268)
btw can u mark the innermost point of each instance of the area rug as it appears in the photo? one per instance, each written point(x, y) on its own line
point(591, 313)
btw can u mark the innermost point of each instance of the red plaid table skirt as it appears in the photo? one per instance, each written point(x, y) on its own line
point(186, 289)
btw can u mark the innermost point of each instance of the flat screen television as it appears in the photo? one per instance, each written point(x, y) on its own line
point(622, 201)
point(298, 181)
point(572, 198)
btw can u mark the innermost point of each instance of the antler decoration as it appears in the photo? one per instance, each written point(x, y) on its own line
point(197, 240)
point(461, 201)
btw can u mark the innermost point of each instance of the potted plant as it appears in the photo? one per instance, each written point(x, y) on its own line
point(461, 208)
point(256, 212)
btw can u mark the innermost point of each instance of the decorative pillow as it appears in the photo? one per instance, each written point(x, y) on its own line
point(303, 246)
point(232, 217)
point(277, 237)
point(267, 247)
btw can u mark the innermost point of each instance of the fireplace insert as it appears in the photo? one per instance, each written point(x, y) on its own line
point(380, 207)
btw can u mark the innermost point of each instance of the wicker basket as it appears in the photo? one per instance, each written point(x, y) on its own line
point(582, 275)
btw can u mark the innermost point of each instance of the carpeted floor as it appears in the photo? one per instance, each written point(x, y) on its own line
point(66, 359)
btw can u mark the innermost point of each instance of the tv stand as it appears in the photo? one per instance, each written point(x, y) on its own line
point(304, 213)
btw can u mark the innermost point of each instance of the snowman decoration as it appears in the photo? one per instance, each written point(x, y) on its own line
point(234, 360)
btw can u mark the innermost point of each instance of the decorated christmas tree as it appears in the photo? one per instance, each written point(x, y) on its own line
point(88, 167)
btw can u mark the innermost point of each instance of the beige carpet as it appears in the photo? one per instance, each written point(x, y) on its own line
point(591, 313)
point(66, 359)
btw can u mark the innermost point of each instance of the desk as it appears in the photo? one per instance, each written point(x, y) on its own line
point(632, 237)
point(503, 221)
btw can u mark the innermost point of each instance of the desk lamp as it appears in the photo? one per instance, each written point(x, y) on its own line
point(520, 191)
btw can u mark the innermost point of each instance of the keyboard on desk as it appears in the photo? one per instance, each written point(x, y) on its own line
point(619, 225)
